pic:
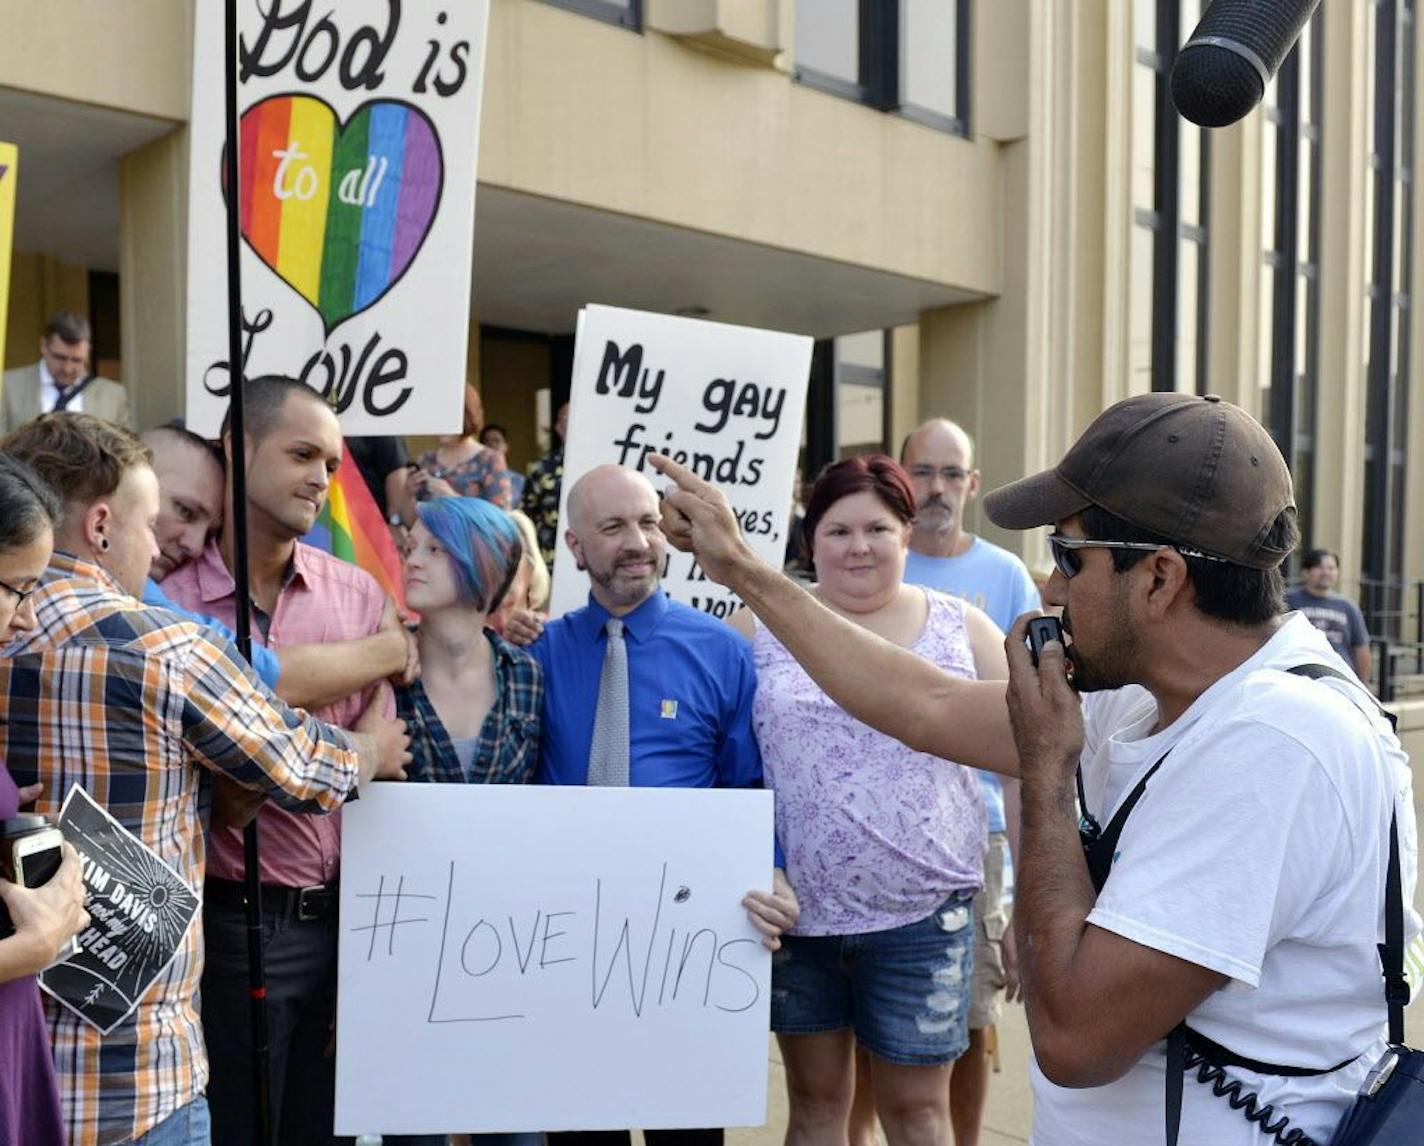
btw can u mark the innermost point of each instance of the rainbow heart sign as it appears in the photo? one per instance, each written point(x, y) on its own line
point(338, 210)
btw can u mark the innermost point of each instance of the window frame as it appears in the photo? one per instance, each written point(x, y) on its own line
point(1164, 219)
point(1294, 390)
point(1386, 385)
point(877, 84)
point(630, 17)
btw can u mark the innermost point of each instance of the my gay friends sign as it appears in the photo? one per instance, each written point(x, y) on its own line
point(725, 401)
point(357, 141)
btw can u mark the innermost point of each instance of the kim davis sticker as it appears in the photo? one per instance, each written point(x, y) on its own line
point(139, 910)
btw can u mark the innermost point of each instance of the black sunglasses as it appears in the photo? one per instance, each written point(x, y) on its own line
point(1066, 559)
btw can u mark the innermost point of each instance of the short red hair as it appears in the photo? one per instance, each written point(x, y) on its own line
point(876, 473)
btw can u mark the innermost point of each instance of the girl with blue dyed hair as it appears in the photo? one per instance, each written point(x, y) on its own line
point(473, 715)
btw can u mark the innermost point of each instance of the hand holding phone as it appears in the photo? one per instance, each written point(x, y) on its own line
point(49, 914)
point(1041, 630)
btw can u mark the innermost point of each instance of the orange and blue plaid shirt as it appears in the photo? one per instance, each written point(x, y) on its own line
point(136, 705)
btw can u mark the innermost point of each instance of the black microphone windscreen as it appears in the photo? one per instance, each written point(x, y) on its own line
point(1221, 73)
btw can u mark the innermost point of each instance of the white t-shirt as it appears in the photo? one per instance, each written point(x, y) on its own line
point(1259, 850)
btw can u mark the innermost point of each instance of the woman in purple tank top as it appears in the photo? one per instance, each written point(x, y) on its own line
point(884, 845)
point(45, 918)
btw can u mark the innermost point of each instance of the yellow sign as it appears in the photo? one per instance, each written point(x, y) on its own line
point(9, 173)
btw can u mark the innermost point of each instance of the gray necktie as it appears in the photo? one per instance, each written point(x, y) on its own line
point(608, 754)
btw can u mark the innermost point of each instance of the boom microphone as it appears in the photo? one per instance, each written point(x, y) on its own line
point(1221, 73)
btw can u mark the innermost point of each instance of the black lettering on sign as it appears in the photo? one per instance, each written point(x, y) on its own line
point(284, 40)
point(725, 469)
point(724, 399)
point(719, 607)
point(622, 372)
point(459, 53)
point(473, 979)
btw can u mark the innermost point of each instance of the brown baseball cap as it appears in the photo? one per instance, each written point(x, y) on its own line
point(1194, 470)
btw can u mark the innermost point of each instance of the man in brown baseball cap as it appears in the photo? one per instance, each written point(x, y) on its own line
point(1198, 471)
point(1235, 813)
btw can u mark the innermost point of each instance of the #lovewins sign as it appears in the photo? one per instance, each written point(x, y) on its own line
point(358, 135)
point(725, 401)
point(519, 958)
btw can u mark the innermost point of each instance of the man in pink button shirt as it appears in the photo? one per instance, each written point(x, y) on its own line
point(300, 595)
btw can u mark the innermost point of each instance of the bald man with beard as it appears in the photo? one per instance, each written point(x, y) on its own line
point(690, 684)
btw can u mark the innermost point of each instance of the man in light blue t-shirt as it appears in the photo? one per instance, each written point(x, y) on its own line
point(940, 458)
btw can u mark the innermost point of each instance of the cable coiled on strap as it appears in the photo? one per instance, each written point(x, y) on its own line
point(1249, 1104)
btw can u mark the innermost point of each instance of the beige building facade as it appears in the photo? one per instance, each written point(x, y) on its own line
point(982, 210)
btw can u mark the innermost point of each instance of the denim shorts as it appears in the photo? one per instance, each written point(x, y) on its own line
point(905, 992)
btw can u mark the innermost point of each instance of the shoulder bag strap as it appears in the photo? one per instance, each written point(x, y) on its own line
point(1396, 986)
point(1176, 1072)
point(1317, 672)
point(1099, 843)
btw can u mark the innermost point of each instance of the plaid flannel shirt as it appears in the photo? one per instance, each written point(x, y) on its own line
point(133, 703)
point(508, 750)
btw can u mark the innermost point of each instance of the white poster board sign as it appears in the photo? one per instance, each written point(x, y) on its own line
point(359, 129)
point(726, 401)
point(546, 958)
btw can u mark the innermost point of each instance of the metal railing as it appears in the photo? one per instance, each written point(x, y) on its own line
point(1393, 609)
point(1394, 615)
point(1398, 669)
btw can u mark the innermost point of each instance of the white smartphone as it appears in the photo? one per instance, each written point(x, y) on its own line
point(34, 859)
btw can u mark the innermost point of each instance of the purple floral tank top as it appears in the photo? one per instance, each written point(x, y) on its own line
point(876, 835)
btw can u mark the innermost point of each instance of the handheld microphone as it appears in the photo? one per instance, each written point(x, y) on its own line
point(1221, 73)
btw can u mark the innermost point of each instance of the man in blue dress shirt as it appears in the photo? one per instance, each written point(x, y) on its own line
point(690, 684)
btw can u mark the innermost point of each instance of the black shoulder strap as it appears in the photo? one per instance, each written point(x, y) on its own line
point(1100, 844)
point(1176, 1070)
point(1396, 986)
point(1317, 672)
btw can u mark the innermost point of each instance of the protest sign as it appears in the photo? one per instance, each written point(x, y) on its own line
point(725, 401)
point(546, 958)
point(139, 909)
point(9, 178)
point(359, 129)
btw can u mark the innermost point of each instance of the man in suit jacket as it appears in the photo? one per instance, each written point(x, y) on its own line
point(60, 380)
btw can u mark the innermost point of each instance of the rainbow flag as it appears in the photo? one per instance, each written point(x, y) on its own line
point(338, 211)
point(350, 527)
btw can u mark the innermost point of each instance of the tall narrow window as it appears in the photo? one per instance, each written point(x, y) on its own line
point(1390, 175)
point(905, 56)
point(1290, 181)
point(933, 63)
point(1170, 179)
point(860, 393)
point(827, 40)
